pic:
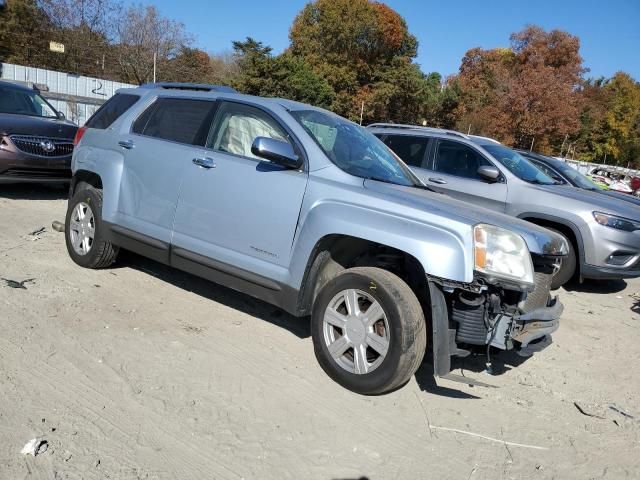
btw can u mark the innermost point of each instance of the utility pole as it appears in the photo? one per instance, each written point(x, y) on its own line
point(563, 142)
point(361, 111)
point(155, 55)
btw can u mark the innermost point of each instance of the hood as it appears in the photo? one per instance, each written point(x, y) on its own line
point(11, 124)
point(596, 201)
point(539, 240)
point(625, 197)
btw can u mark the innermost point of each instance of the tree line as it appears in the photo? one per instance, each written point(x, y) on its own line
point(356, 58)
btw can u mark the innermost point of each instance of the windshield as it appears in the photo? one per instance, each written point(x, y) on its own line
point(518, 165)
point(354, 149)
point(576, 177)
point(23, 102)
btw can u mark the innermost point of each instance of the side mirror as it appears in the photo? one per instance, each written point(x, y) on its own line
point(61, 115)
point(276, 151)
point(489, 173)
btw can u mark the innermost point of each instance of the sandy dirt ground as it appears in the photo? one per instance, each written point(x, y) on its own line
point(142, 372)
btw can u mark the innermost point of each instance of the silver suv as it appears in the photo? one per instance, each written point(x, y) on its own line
point(305, 210)
point(603, 233)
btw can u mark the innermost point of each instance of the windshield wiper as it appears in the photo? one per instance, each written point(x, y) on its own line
point(415, 185)
point(535, 181)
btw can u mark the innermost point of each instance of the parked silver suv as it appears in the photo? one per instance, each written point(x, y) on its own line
point(603, 232)
point(312, 213)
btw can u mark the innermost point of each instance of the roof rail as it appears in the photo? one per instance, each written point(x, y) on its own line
point(200, 87)
point(442, 131)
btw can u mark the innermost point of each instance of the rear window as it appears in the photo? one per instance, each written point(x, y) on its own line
point(112, 110)
point(177, 119)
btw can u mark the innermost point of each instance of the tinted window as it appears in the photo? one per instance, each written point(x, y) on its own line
point(457, 159)
point(238, 125)
point(180, 120)
point(410, 149)
point(111, 111)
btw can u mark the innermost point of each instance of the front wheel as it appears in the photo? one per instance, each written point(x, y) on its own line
point(567, 267)
point(368, 330)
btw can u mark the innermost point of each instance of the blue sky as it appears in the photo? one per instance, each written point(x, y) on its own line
point(609, 30)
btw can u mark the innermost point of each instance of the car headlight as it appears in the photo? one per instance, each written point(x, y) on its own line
point(502, 254)
point(613, 221)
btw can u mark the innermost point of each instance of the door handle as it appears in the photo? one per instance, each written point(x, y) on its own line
point(205, 162)
point(128, 144)
point(439, 181)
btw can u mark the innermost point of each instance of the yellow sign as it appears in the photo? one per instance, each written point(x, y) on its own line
point(56, 47)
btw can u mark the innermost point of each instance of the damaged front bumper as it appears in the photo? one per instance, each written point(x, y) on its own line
point(461, 319)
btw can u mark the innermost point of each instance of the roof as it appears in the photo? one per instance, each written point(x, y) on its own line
point(18, 85)
point(203, 87)
point(417, 129)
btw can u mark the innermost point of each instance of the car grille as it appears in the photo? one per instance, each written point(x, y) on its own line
point(41, 146)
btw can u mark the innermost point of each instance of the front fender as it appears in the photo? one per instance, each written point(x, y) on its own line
point(442, 252)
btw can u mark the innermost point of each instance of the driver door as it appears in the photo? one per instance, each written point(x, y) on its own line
point(455, 172)
point(236, 208)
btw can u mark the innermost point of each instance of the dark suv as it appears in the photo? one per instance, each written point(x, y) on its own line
point(36, 142)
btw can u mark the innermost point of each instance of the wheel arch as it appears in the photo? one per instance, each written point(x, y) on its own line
point(566, 227)
point(334, 253)
point(84, 176)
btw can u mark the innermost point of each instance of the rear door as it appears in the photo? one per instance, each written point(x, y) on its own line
point(454, 170)
point(240, 209)
point(160, 148)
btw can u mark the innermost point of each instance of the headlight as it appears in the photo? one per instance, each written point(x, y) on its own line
point(619, 223)
point(502, 254)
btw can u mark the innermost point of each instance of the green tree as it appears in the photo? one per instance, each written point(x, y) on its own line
point(284, 75)
point(23, 38)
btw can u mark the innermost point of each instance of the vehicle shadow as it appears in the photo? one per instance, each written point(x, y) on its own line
point(476, 364)
point(300, 327)
point(596, 286)
point(34, 191)
point(216, 293)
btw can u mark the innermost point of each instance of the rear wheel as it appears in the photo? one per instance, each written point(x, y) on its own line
point(368, 330)
point(567, 267)
point(84, 230)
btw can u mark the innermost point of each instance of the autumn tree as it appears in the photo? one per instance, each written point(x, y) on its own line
point(526, 93)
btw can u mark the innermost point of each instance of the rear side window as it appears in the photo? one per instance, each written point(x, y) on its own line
point(457, 159)
point(179, 120)
point(410, 149)
point(112, 110)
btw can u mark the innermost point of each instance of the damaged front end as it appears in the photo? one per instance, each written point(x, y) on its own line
point(467, 316)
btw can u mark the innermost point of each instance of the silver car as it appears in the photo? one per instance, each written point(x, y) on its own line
point(603, 232)
point(310, 212)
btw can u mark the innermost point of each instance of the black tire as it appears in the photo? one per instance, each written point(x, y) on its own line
point(102, 253)
point(568, 266)
point(407, 330)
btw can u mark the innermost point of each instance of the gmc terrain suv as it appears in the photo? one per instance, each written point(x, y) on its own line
point(312, 213)
point(603, 233)
point(36, 142)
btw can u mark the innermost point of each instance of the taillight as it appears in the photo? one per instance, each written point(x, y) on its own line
point(79, 135)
